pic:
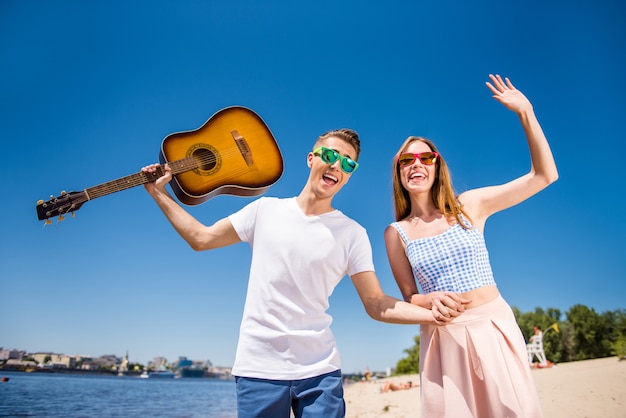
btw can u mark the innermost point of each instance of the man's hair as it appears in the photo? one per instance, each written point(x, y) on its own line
point(348, 135)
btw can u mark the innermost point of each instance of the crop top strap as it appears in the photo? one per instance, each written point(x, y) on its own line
point(403, 234)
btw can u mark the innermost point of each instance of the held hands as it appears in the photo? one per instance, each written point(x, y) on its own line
point(445, 306)
point(159, 183)
point(504, 92)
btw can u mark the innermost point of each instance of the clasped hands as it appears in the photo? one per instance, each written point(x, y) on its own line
point(445, 306)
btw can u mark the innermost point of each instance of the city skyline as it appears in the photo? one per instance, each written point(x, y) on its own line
point(156, 359)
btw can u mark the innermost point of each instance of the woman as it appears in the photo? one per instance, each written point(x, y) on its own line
point(476, 365)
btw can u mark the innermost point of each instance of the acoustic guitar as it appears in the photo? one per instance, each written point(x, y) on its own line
point(233, 153)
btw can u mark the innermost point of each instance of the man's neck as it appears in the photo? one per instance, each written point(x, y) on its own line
point(311, 205)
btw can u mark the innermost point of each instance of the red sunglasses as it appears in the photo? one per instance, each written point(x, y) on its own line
point(426, 158)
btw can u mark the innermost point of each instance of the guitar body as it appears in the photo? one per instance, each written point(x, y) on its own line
point(238, 152)
point(234, 153)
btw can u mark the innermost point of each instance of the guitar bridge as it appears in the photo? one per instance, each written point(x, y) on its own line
point(243, 147)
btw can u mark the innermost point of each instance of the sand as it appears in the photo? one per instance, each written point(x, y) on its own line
point(590, 388)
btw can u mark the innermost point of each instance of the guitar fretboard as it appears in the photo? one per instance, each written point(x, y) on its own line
point(137, 179)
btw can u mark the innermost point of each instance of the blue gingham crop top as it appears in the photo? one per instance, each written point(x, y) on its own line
point(455, 260)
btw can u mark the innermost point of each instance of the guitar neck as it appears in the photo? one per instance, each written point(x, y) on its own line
point(70, 202)
point(137, 179)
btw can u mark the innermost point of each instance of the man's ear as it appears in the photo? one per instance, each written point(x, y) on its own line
point(309, 159)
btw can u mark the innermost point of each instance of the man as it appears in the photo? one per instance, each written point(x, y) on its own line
point(287, 358)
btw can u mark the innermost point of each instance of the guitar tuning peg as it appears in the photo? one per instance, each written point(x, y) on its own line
point(48, 222)
point(51, 197)
point(40, 202)
point(61, 218)
point(73, 214)
point(63, 192)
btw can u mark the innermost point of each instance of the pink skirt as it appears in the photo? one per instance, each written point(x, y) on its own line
point(477, 366)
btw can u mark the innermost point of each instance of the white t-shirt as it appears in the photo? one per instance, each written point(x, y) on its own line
point(297, 261)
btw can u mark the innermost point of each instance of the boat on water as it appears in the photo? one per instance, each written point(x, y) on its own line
point(160, 374)
point(190, 371)
point(188, 368)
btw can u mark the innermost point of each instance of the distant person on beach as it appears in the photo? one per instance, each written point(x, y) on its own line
point(287, 357)
point(537, 335)
point(475, 365)
point(389, 386)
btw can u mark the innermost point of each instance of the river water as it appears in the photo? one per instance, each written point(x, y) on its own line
point(71, 395)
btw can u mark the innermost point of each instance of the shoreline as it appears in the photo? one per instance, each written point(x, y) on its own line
point(587, 388)
point(582, 389)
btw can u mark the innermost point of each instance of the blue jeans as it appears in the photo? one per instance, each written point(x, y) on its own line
point(315, 397)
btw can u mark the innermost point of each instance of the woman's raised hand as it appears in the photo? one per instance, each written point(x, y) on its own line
point(504, 92)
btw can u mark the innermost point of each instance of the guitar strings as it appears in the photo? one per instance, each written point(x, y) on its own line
point(180, 166)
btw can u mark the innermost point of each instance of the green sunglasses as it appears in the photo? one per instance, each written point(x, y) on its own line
point(330, 156)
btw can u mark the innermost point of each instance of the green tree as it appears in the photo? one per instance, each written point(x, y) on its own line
point(411, 363)
point(568, 344)
point(592, 335)
point(616, 323)
point(619, 347)
point(136, 367)
point(620, 323)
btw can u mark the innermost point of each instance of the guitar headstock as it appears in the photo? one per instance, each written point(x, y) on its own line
point(60, 205)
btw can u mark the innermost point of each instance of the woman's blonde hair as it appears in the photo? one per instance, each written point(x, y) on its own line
point(442, 192)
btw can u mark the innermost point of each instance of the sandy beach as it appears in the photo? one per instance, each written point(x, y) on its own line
point(582, 389)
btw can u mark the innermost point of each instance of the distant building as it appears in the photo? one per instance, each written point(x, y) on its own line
point(20, 363)
point(110, 359)
point(42, 358)
point(221, 372)
point(123, 368)
point(57, 361)
point(11, 354)
point(158, 363)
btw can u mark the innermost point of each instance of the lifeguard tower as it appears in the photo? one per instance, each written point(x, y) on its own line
point(535, 349)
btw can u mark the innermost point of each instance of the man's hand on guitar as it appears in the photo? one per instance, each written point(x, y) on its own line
point(162, 177)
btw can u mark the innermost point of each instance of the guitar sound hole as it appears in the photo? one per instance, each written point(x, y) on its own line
point(206, 159)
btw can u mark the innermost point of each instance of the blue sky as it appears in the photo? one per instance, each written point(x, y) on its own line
point(90, 89)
